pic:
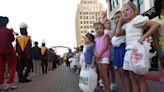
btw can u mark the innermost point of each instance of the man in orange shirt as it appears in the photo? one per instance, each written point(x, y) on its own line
point(44, 62)
point(23, 48)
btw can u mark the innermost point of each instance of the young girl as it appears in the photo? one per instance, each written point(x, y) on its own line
point(118, 43)
point(110, 33)
point(89, 53)
point(102, 54)
point(133, 28)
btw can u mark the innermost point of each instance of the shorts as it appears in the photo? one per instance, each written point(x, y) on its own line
point(127, 59)
point(104, 60)
point(119, 53)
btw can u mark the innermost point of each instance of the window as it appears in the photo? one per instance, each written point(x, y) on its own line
point(81, 31)
point(116, 2)
point(113, 4)
point(98, 13)
point(81, 22)
point(81, 27)
point(141, 8)
point(81, 17)
point(86, 17)
point(140, 5)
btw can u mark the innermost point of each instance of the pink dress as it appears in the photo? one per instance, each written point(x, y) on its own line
point(99, 45)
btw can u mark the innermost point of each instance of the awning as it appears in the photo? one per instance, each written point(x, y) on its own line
point(151, 13)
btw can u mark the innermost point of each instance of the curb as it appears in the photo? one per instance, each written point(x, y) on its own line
point(152, 76)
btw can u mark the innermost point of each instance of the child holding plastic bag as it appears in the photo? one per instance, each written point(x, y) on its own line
point(102, 54)
point(88, 75)
point(133, 28)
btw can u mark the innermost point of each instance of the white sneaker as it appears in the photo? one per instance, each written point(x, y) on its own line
point(6, 86)
point(101, 83)
point(12, 86)
point(113, 86)
point(9, 86)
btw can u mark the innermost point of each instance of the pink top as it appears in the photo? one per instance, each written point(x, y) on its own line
point(100, 45)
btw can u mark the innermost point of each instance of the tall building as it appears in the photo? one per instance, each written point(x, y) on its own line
point(88, 12)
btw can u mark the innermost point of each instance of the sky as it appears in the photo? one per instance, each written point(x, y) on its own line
point(49, 20)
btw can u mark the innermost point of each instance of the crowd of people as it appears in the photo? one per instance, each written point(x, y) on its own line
point(110, 50)
point(107, 50)
point(22, 58)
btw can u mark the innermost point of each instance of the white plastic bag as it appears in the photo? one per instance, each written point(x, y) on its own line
point(70, 59)
point(73, 64)
point(82, 60)
point(88, 79)
point(140, 58)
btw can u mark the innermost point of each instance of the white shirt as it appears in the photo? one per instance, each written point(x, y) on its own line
point(134, 30)
point(117, 41)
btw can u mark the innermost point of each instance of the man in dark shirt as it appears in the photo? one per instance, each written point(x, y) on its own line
point(36, 56)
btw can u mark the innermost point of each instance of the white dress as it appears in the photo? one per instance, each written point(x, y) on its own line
point(134, 31)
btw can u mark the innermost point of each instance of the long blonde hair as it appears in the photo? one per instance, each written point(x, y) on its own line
point(133, 6)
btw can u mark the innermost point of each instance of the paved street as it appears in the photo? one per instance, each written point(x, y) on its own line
point(63, 80)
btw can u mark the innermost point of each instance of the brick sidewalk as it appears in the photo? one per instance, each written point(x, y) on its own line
point(63, 79)
point(60, 80)
point(153, 75)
